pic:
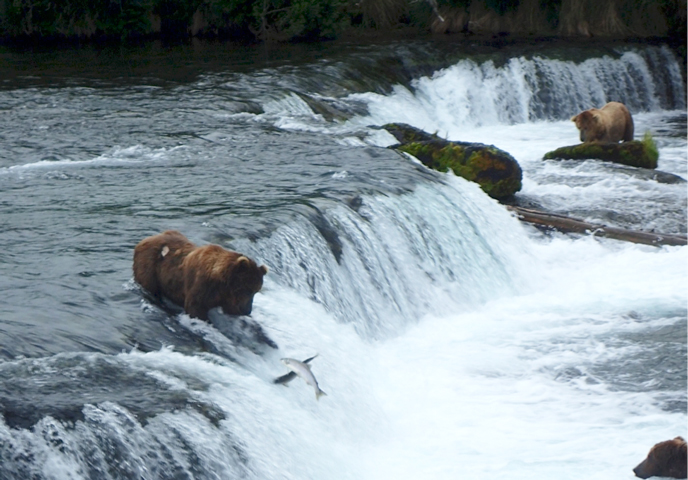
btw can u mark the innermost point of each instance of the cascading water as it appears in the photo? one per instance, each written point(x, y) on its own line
point(433, 250)
point(471, 94)
point(453, 341)
point(388, 256)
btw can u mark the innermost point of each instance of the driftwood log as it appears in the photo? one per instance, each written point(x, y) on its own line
point(566, 224)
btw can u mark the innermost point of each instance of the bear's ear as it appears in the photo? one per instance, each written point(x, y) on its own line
point(264, 269)
point(582, 117)
point(242, 262)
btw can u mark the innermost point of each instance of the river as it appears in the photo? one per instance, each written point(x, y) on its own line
point(453, 341)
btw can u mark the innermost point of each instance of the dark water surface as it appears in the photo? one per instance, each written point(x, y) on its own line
point(122, 144)
point(277, 152)
point(102, 146)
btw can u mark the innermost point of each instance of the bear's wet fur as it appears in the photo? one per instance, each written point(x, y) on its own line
point(666, 459)
point(169, 266)
point(610, 124)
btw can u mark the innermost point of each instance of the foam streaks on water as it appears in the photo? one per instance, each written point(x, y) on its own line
point(452, 340)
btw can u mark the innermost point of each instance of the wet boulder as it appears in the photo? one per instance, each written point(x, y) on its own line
point(496, 171)
point(405, 133)
point(634, 153)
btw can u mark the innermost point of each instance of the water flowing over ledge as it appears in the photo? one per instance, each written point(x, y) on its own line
point(443, 325)
point(471, 94)
point(391, 260)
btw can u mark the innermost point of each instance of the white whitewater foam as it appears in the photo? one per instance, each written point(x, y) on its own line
point(489, 372)
point(117, 156)
point(474, 395)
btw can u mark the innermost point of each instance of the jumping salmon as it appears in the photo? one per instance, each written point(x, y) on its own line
point(284, 379)
point(302, 370)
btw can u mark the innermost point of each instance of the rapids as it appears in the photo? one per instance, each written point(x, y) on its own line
point(453, 341)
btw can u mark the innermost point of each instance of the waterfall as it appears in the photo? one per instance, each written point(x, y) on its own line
point(386, 261)
point(472, 94)
point(378, 263)
point(452, 340)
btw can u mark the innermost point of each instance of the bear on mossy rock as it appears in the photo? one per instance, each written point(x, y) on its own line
point(636, 153)
point(610, 124)
point(601, 130)
point(197, 278)
point(666, 459)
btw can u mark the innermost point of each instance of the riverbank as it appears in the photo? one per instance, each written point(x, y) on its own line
point(313, 20)
point(32, 24)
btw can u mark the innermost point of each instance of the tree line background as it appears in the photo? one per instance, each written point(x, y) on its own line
point(309, 20)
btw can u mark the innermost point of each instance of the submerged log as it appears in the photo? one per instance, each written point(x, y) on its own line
point(566, 224)
point(497, 172)
point(634, 153)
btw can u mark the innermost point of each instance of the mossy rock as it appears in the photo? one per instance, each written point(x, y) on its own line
point(497, 172)
point(634, 153)
point(407, 134)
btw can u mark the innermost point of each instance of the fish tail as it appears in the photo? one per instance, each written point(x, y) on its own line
point(319, 394)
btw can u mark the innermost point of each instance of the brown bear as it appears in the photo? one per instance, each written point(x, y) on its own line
point(666, 459)
point(197, 278)
point(609, 124)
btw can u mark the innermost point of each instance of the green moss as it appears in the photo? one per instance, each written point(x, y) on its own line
point(635, 154)
point(650, 146)
point(502, 188)
point(453, 157)
point(422, 151)
point(497, 173)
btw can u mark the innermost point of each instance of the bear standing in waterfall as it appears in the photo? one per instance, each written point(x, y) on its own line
point(610, 124)
point(197, 278)
point(666, 459)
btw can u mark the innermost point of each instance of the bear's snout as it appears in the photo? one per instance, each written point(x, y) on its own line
point(666, 459)
point(234, 307)
point(640, 470)
point(247, 307)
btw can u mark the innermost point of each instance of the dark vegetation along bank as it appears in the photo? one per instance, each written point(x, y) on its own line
point(294, 20)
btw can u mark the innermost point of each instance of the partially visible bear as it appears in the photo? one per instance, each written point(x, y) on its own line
point(666, 459)
point(610, 124)
point(197, 278)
